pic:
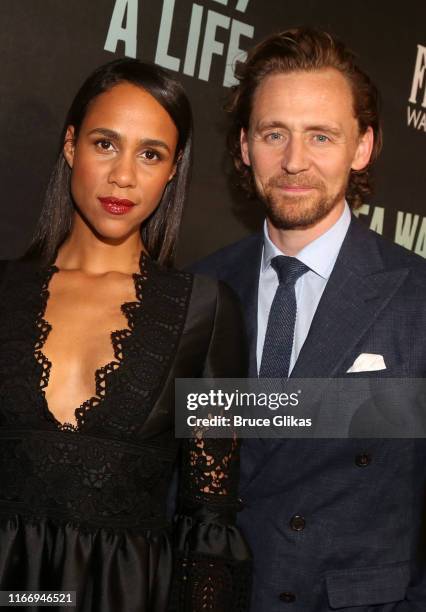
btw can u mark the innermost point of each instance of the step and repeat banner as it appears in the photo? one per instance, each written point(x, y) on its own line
point(48, 47)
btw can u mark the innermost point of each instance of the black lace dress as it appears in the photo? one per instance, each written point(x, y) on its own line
point(84, 508)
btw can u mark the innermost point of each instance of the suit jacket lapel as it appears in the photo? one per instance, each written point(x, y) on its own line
point(357, 291)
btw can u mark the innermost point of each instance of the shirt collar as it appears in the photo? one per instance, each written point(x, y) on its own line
point(319, 255)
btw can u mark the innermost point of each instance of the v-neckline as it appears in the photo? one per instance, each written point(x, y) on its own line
point(100, 374)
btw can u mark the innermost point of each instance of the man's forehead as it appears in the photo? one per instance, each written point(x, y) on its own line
point(317, 96)
point(316, 78)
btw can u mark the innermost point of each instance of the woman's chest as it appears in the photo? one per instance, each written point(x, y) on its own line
point(82, 315)
point(122, 373)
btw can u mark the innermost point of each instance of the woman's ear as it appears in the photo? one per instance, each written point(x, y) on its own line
point(175, 166)
point(69, 145)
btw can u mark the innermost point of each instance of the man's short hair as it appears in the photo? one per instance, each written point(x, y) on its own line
point(303, 49)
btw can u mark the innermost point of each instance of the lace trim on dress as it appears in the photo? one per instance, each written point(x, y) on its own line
point(208, 583)
point(208, 466)
point(82, 480)
point(128, 386)
point(203, 582)
point(129, 309)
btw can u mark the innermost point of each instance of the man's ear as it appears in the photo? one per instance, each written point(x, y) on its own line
point(69, 145)
point(364, 149)
point(244, 147)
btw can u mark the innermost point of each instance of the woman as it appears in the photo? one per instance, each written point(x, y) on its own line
point(83, 490)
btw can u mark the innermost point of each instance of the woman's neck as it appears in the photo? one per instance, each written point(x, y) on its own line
point(93, 255)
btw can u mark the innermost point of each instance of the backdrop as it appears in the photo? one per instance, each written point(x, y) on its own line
point(47, 47)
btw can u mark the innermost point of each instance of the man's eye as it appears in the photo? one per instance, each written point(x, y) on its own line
point(273, 137)
point(321, 138)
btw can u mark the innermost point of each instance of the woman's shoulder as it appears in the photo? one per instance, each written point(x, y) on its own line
point(204, 294)
point(20, 269)
point(20, 264)
point(174, 278)
point(14, 267)
point(215, 298)
point(216, 289)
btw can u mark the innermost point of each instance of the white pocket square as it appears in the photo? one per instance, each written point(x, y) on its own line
point(367, 362)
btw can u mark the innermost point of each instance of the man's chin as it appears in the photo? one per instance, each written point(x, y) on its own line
point(298, 213)
point(296, 219)
point(292, 223)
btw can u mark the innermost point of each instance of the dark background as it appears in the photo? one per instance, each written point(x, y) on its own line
point(48, 47)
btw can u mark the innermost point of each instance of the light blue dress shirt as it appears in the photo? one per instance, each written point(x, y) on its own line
point(320, 256)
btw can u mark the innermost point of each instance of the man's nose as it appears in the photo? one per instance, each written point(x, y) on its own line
point(123, 171)
point(295, 156)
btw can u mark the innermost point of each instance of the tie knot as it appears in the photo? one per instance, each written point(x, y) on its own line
point(288, 269)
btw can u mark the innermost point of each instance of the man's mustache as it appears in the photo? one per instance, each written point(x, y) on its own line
point(296, 181)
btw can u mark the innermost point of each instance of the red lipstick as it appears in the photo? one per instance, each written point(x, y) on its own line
point(116, 206)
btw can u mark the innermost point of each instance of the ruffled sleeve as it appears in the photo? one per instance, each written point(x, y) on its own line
point(213, 566)
point(212, 559)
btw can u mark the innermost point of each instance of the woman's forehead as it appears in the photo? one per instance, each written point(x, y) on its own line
point(130, 109)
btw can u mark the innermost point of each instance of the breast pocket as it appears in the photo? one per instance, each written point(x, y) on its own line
point(367, 586)
point(394, 368)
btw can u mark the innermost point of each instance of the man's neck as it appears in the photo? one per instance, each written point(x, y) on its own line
point(292, 241)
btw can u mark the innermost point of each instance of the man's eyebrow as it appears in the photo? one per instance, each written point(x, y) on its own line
point(266, 125)
point(323, 127)
point(146, 142)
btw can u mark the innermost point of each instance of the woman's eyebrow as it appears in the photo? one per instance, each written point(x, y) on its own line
point(105, 132)
point(150, 142)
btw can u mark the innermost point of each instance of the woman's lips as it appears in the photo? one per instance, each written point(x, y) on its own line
point(116, 206)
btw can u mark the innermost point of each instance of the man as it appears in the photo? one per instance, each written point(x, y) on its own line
point(333, 524)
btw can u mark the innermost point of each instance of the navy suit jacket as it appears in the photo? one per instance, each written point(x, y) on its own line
point(337, 524)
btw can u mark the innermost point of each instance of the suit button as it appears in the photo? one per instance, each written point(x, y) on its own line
point(363, 459)
point(297, 523)
point(287, 597)
point(240, 504)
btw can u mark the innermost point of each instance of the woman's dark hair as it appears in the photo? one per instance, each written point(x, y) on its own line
point(159, 232)
point(303, 49)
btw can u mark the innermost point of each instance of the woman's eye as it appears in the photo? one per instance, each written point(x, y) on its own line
point(150, 155)
point(104, 145)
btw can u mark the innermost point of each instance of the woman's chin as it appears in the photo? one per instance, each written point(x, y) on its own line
point(115, 232)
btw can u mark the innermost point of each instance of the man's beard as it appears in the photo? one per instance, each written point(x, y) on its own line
point(298, 212)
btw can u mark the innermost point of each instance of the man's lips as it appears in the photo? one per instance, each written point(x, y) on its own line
point(292, 188)
point(295, 187)
point(116, 206)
